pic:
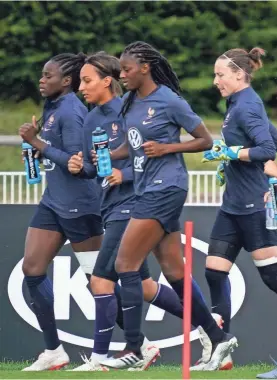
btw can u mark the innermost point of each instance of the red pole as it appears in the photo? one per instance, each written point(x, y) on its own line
point(188, 228)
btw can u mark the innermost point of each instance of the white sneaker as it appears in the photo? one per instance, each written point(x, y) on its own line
point(150, 353)
point(124, 359)
point(226, 364)
point(207, 345)
point(50, 360)
point(91, 364)
point(220, 352)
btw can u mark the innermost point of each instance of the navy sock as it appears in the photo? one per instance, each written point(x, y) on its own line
point(119, 318)
point(167, 299)
point(105, 316)
point(200, 314)
point(268, 275)
point(42, 302)
point(220, 290)
point(132, 302)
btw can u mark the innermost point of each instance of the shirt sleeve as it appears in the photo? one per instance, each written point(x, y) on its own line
point(180, 113)
point(273, 132)
point(71, 131)
point(254, 122)
point(127, 174)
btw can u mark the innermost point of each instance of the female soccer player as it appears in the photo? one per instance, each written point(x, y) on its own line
point(247, 145)
point(154, 114)
point(100, 86)
point(69, 208)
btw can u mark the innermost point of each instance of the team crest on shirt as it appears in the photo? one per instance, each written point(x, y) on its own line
point(49, 123)
point(151, 113)
point(114, 128)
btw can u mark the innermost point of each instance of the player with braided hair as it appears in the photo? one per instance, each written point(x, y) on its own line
point(154, 114)
point(69, 208)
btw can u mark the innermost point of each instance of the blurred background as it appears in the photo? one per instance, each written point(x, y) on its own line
point(190, 34)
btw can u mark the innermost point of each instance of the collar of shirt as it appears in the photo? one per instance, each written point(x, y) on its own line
point(109, 106)
point(49, 104)
point(239, 95)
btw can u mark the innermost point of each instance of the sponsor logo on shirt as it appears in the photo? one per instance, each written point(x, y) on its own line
point(138, 162)
point(135, 138)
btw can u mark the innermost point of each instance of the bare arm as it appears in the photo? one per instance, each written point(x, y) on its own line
point(121, 152)
point(202, 141)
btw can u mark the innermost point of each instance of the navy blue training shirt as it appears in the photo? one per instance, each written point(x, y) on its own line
point(158, 117)
point(117, 201)
point(246, 123)
point(69, 196)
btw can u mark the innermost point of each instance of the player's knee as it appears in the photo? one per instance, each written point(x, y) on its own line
point(118, 265)
point(101, 285)
point(221, 255)
point(171, 271)
point(122, 265)
point(150, 288)
point(268, 272)
point(32, 268)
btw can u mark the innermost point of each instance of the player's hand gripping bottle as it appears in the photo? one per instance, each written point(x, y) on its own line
point(100, 142)
point(31, 163)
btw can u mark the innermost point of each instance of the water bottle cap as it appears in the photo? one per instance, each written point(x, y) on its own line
point(272, 180)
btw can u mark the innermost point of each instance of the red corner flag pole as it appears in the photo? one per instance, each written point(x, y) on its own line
point(188, 228)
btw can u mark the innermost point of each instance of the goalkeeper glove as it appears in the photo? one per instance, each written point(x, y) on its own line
point(220, 151)
point(220, 175)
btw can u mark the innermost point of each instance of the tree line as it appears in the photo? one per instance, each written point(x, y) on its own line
point(190, 34)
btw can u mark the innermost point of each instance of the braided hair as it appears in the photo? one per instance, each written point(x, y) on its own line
point(70, 65)
point(160, 68)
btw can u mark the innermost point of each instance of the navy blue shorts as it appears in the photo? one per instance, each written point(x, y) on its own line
point(76, 230)
point(165, 206)
point(243, 231)
point(104, 266)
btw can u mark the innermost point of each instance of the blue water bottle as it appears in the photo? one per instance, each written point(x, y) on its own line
point(31, 164)
point(100, 141)
point(271, 206)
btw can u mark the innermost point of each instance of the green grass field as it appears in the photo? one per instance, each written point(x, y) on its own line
point(11, 370)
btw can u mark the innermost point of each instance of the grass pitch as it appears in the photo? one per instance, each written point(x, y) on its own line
point(12, 370)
